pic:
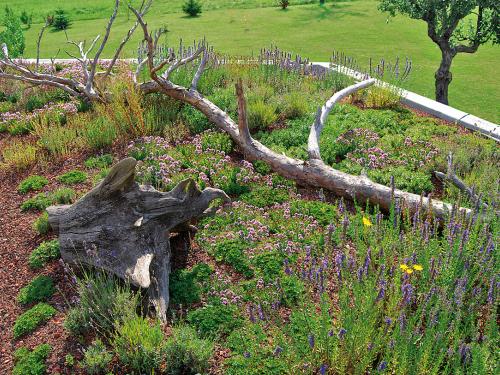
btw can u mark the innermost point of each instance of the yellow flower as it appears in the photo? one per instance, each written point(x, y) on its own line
point(409, 271)
point(418, 267)
point(403, 267)
point(367, 222)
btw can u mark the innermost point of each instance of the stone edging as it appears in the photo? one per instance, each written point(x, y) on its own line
point(432, 107)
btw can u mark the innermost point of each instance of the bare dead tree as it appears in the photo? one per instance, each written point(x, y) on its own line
point(312, 172)
point(85, 89)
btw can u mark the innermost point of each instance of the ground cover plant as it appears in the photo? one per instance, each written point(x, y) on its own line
point(286, 278)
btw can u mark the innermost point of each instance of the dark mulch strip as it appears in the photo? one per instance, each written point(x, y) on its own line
point(17, 240)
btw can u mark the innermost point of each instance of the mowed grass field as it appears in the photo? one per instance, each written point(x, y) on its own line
point(242, 27)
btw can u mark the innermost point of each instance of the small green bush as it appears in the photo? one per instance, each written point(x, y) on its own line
point(294, 105)
point(104, 303)
point(99, 133)
point(215, 319)
point(269, 265)
point(98, 162)
point(41, 224)
point(263, 195)
point(185, 353)
point(47, 251)
point(184, 288)
point(72, 177)
point(77, 322)
point(138, 344)
point(324, 213)
point(12, 34)
point(261, 167)
point(69, 360)
point(192, 8)
point(40, 289)
point(61, 20)
point(196, 121)
point(43, 200)
point(63, 196)
point(217, 141)
point(293, 290)
point(31, 362)
point(31, 319)
point(34, 102)
point(96, 358)
point(232, 252)
point(261, 115)
point(32, 183)
point(38, 203)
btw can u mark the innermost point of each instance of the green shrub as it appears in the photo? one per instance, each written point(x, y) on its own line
point(293, 290)
point(43, 200)
point(41, 224)
point(38, 203)
point(31, 319)
point(185, 353)
point(294, 105)
point(40, 289)
point(231, 185)
point(69, 360)
point(232, 252)
point(63, 196)
point(61, 20)
point(261, 115)
point(263, 195)
point(138, 344)
point(12, 34)
point(216, 141)
point(184, 288)
point(96, 358)
point(192, 8)
point(73, 177)
point(215, 319)
point(413, 181)
point(47, 251)
point(104, 303)
point(324, 213)
point(77, 322)
point(31, 362)
point(34, 102)
point(32, 183)
point(99, 162)
point(99, 133)
point(269, 265)
point(196, 121)
point(261, 167)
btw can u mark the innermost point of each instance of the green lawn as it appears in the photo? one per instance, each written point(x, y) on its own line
point(357, 28)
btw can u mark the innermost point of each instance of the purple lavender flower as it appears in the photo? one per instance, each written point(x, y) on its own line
point(260, 312)
point(310, 338)
point(322, 369)
point(381, 291)
point(367, 262)
point(491, 291)
point(246, 354)
point(330, 333)
point(382, 366)
point(278, 351)
point(342, 333)
point(251, 314)
point(465, 353)
point(402, 321)
point(407, 290)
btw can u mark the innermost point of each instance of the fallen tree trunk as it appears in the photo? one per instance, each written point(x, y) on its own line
point(124, 228)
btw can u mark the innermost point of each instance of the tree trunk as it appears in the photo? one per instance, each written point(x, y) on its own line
point(443, 76)
point(124, 228)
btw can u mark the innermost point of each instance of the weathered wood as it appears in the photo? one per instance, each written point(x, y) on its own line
point(124, 228)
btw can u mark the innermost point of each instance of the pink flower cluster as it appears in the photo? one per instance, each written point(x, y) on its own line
point(50, 108)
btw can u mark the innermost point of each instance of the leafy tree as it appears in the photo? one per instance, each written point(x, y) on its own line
point(60, 20)
point(456, 26)
point(192, 8)
point(13, 35)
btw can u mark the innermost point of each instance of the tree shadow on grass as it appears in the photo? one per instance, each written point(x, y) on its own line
point(338, 9)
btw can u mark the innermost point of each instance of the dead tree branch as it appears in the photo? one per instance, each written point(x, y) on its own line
point(451, 177)
point(313, 172)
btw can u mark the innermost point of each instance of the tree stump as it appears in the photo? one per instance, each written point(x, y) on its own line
point(124, 228)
